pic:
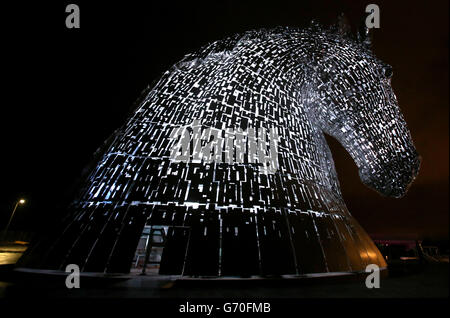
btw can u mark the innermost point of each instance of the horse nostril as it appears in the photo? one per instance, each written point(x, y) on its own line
point(388, 71)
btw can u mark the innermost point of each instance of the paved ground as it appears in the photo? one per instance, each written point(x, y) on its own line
point(406, 280)
point(429, 281)
point(409, 289)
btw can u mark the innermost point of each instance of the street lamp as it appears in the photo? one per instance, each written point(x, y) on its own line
point(21, 202)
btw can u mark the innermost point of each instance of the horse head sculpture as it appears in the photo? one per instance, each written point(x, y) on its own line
point(357, 105)
point(227, 216)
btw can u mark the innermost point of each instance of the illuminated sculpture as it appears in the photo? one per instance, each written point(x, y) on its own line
point(228, 151)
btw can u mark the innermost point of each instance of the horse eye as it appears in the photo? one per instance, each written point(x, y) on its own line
point(387, 71)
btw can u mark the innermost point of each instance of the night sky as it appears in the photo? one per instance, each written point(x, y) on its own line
point(67, 90)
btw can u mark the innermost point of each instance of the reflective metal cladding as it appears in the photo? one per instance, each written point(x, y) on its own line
point(227, 153)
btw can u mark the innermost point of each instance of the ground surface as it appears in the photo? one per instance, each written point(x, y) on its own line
point(405, 281)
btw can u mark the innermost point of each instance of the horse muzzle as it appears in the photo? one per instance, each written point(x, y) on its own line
point(394, 178)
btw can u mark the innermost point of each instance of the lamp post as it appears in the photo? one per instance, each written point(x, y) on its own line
point(21, 202)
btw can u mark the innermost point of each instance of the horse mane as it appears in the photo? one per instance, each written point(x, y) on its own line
point(338, 33)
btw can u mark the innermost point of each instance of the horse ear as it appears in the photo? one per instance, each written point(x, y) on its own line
point(343, 25)
point(364, 34)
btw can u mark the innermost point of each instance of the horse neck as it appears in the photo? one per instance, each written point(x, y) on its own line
point(293, 73)
point(318, 156)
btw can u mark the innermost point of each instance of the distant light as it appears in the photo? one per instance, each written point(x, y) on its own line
point(22, 201)
point(406, 258)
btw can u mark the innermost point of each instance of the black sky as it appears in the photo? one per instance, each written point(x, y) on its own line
point(66, 91)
